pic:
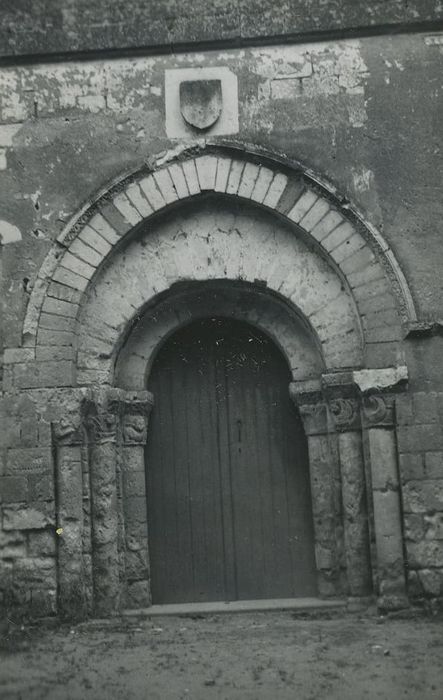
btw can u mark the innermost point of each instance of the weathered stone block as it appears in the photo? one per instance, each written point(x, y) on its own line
point(422, 496)
point(33, 516)
point(138, 595)
point(178, 179)
point(434, 465)
point(58, 306)
point(325, 556)
point(55, 338)
point(137, 565)
point(133, 459)
point(434, 526)
point(411, 466)
point(46, 374)
point(96, 240)
point(29, 461)
point(134, 483)
point(99, 225)
point(415, 589)
point(10, 434)
point(43, 602)
point(302, 206)
point(70, 279)
point(387, 515)
point(13, 489)
point(431, 581)
point(116, 219)
point(261, 185)
point(420, 438)
point(249, 177)
point(206, 171)
point(135, 509)
point(275, 191)
point(234, 178)
point(35, 571)
point(315, 214)
point(383, 458)
point(422, 555)
point(79, 267)
point(12, 545)
point(40, 487)
point(14, 355)
point(41, 543)
point(60, 291)
point(381, 354)
point(126, 209)
point(55, 322)
point(6, 569)
point(340, 234)
point(155, 197)
point(414, 526)
point(49, 353)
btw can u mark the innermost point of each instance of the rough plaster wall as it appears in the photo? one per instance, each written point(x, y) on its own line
point(48, 26)
point(361, 113)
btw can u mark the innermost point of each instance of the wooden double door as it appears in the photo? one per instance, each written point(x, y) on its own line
point(228, 494)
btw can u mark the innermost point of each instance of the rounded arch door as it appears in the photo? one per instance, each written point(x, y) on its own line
point(228, 493)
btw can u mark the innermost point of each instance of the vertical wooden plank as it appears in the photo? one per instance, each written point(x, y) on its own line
point(225, 480)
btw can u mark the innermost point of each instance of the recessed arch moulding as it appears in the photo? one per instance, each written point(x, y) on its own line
point(219, 232)
point(364, 263)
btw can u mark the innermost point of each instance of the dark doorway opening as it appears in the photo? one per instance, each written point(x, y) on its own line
point(228, 493)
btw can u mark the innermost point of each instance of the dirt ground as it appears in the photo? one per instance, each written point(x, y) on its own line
point(245, 656)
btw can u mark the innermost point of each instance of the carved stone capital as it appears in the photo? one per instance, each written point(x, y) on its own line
point(378, 411)
point(69, 429)
point(101, 411)
point(314, 417)
point(345, 414)
point(136, 411)
point(308, 398)
point(116, 414)
point(102, 426)
point(343, 400)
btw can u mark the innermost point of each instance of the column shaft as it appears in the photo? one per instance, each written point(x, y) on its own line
point(105, 563)
point(72, 600)
point(355, 517)
point(379, 419)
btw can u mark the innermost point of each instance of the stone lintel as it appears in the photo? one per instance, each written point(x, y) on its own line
point(338, 385)
point(305, 391)
point(389, 379)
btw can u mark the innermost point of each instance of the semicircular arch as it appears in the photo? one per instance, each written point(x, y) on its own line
point(216, 241)
point(357, 252)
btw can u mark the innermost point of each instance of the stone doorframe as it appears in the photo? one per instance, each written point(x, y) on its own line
point(356, 305)
point(349, 420)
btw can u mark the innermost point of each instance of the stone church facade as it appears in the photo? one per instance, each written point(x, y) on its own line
point(168, 169)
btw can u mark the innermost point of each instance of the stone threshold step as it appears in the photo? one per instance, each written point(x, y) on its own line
point(298, 604)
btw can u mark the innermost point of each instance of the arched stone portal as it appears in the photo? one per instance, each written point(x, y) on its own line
point(270, 247)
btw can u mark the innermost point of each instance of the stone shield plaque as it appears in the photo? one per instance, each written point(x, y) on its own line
point(201, 102)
